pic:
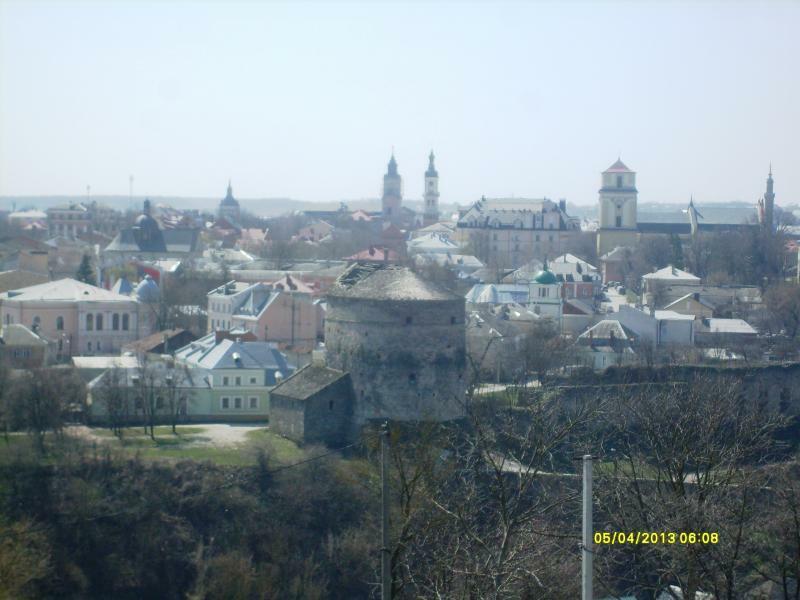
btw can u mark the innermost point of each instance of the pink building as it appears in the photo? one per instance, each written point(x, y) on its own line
point(273, 312)
point(78, 318)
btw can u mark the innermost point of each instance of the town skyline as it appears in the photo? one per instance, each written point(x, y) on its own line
point(307, 101)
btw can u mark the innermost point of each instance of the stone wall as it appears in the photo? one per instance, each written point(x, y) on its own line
point(329, 413)
point(406, 358)
point(778, 384)
point(287, 416)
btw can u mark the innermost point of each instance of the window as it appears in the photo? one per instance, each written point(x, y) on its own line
point(89, 346)
point(89, 322)
point(125, 322)
point(412, 378)
point(452, 320)
point(8, 319)
point(537, 237)
point(408, 320)
point(115, 322)
point(330, 404)
point(550, 238)
point(238, 380)
point(619, 181)
point(237, 403)
point(494, 237)
point(36, 322)
point(225, 381)
point(99, 322)
point(60, 345)
point(619, 221)
point(226, 403)
point(252, 381)
point(60, 323)
point(98, 346)
point(253, 402)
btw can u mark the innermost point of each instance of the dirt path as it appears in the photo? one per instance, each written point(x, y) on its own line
point(219, 435)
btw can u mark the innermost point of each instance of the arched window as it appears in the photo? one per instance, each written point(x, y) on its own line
point(8, 319)
point(99, 322)
point(37, 321)
point(89, 322)
point(60, 323)
point(115, 321)
point(125, 322)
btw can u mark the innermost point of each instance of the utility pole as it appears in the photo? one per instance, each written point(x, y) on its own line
point(386, 567)
point(587, 549)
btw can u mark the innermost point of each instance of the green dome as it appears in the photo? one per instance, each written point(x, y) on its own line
point(545, 277)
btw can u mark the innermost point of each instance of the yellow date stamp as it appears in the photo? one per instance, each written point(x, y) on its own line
point(636, 538)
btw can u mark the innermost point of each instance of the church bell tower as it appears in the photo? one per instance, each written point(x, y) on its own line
point(617, 208)
point(392, 200)
point(431, 214)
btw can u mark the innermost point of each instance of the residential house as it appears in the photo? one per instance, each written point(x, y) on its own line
point(723, 333)
point(239, 373)
point(607, 343)
point(692, 304)
point(653, 284)
point(22, 348)
point(616, 264)
point(272, 312)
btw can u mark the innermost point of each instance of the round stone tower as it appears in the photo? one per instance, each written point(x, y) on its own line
point(402, 339)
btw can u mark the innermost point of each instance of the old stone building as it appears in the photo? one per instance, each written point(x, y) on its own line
point(316, 406)
point(400, 339)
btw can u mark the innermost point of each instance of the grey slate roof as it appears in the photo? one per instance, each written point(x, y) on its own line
point(170, 240)
point(308, 381)
point(386, 282)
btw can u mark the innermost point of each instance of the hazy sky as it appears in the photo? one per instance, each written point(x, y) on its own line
point(306, 100)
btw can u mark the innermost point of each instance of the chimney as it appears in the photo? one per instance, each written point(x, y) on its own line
point(318, 358)
point(34, 261)
point(562, 204)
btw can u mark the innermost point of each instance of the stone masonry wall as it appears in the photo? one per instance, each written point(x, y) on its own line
point(406, 359)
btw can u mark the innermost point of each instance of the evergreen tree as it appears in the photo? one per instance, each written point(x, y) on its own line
point(86, 271)
point(677, 252)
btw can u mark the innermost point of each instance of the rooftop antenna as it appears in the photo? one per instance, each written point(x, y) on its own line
point(88, 192)
point(130, 192)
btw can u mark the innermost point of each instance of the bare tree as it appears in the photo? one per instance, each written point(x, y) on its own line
point(42, 399)
point(682, 458)
point(113, 393)
point(176, 392)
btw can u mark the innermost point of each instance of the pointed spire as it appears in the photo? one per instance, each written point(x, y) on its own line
point(770, 169)
point(392, 164)
point(431, 172)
